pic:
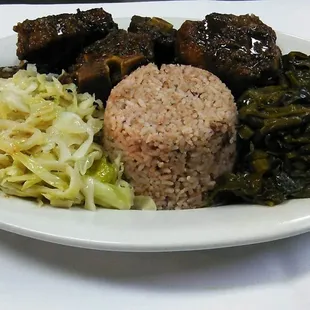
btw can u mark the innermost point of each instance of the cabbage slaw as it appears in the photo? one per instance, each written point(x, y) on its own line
point(47, 147)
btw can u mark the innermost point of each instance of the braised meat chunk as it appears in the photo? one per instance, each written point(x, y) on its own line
point(53, 42)
point(240, 50)
point(162, 33)
point(106, 62)
point(9, 71)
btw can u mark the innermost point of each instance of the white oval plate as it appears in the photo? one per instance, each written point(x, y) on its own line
point(155, 230)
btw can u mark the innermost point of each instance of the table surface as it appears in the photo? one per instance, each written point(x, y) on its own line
point(64, 1)
point(275, 275)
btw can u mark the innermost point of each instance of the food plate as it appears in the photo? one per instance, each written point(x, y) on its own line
point(161, 230)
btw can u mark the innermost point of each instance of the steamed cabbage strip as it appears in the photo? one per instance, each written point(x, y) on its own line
point(46, 144)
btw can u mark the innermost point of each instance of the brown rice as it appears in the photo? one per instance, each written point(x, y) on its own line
point(175, 131)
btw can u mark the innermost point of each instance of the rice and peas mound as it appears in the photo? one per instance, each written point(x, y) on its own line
point(175, 131)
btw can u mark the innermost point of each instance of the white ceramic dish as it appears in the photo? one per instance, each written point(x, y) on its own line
point(160, 230)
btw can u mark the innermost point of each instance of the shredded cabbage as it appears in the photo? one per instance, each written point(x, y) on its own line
point(47, 148)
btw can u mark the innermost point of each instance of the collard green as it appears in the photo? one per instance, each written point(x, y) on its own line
point(273, 161)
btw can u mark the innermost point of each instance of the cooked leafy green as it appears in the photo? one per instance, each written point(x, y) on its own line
point(104, 171)
point(47, 148)
point(273, 148)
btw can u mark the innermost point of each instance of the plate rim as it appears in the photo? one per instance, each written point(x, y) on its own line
point(283, 230)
